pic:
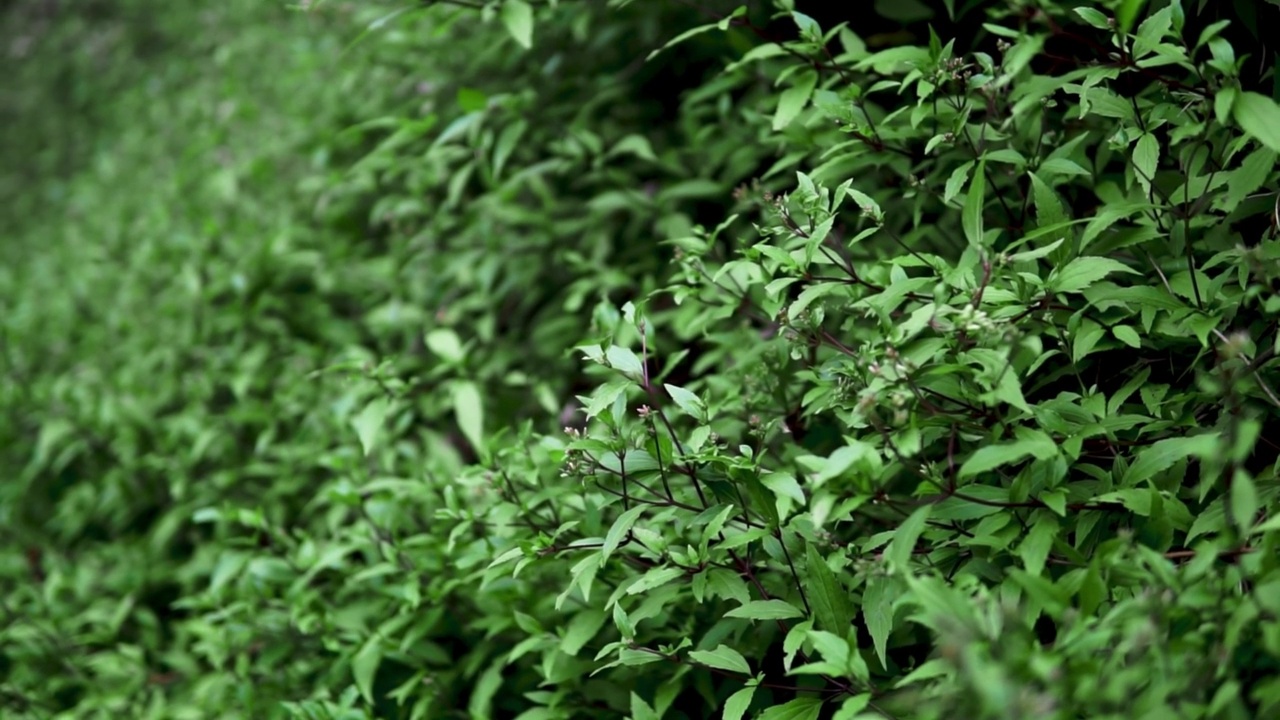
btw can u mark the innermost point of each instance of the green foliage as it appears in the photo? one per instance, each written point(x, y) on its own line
point(640, 359)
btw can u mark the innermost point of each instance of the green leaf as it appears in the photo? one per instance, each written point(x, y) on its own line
point(1036, 254)
point(682, 37)
point(1035, 547)
point(641, 710)
point(784, 485)
point(1055, 500)
point(581, 629)
point(722, 657)
point(1006, 155)
point(794, 640)
point(1136, 500)
point(877, 610)
point(1107, 215)
point(971, 216)
point(811, 293)
point(637, 145)
point(956, 181)
point(793, 99)
point(759, 52)
point(1259, 116)
point(1093, 17)
point(1210, 31)
point(1034, 443)
point(1150, 32)
point(831, 647)
point(1244, 501)
point(1224, 102)
point(1082, 272)
point(517, 16)
point(1049, 212)
point(1127, 335)
point(1162, 455)
point(905, 537)
point(1251, 175)
point(468, 409)
point(1146, 157)
point(625, 361)
point(827, 596)
point(1092, 589)
point(370, 421)
point(619, 530)
point(1104, 295)
point(766, 610)
point(507, 143)
point(860, 457)
point(1085, 339)
point(1062, 166)
point(936, 598)
point(364, 666)
point(688, 402)
point(656, 577)
point(632, 461)
point(802, 708)
point(627, 656)
point(736, 706)
point(1271, 524)
point(605, 396)
point(852, 707)
point(728, 585)
point(762, 499)
point(807, 26)
point(445, 343)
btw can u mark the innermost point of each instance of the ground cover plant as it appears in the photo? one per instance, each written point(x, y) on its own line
point(667, 360)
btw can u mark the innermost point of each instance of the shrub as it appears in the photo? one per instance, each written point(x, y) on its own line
point(895, 478)
point(949, 392)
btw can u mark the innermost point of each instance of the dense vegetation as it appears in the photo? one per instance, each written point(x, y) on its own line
point(549, 360)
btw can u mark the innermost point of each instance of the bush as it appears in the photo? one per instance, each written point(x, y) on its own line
point(949, 390)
